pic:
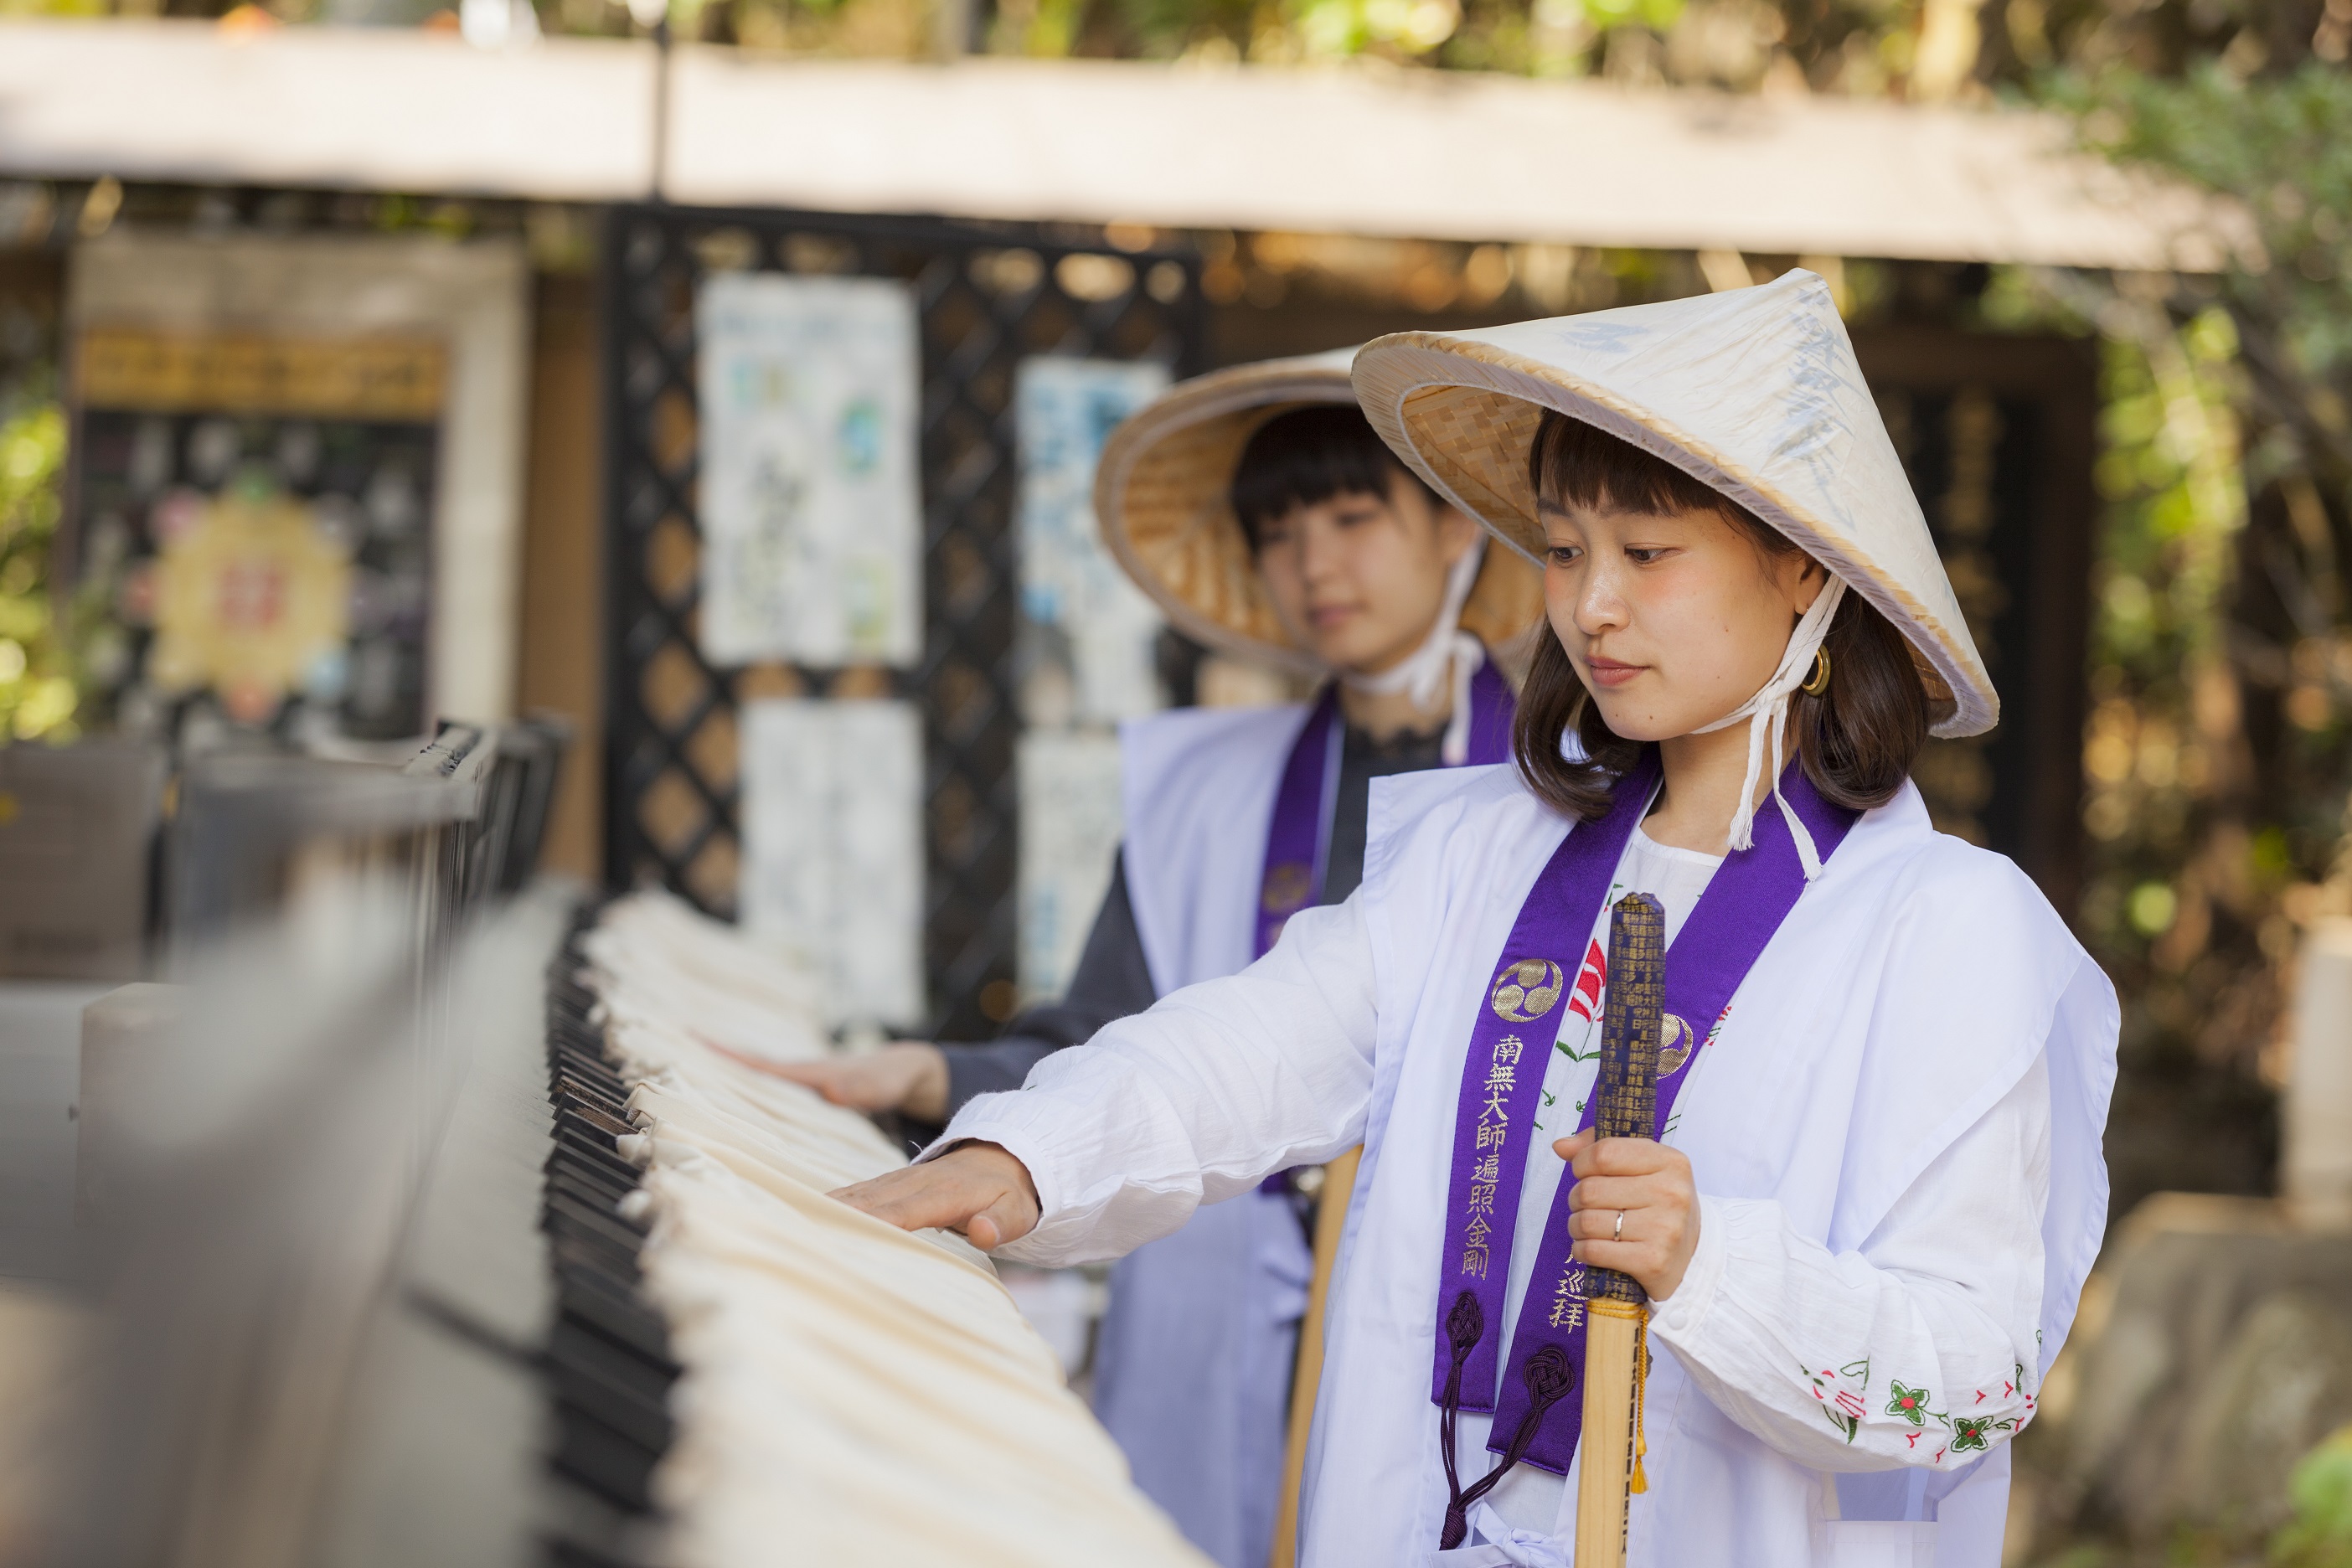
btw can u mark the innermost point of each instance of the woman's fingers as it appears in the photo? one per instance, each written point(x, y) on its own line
point(921, 1089)
point(1639, 1260)
point(1622, 1157)
point(849, 1084)
point(815, 1075)
point(919, 1197)
point(1600, 1225)
point(979, 1189)
point(1613, 1192)
point(1569, 1147)
point(757, 1064)
point(906, 1075)
point(1009, 1219)
point(1590, 1155)
point(1639, 1246)
point(829, 1078)
point(1643, 1222)
point(1632, 1208)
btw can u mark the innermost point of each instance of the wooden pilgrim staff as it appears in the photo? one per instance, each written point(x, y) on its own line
point(1616, 1351)
point(1339, 1185)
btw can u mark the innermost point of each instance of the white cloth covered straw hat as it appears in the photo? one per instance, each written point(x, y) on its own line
point(1755, 391)
point(1161, 497)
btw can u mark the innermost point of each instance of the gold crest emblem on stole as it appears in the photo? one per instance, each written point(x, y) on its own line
point(1289, 884)
point(1675, 1043)
point(1526, 990)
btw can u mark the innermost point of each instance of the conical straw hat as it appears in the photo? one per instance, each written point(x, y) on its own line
point(1161, 496)
point(1755, 391)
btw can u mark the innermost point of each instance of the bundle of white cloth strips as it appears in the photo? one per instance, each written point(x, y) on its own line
point(851, 1392)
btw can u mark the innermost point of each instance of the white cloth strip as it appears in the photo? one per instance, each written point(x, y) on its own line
point(1421, 674)
point(1767, 714)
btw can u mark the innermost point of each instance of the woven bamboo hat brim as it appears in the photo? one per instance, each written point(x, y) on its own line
point(1755, 391)
point(1161, 494)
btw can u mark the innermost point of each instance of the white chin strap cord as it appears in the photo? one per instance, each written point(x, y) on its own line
point(1767, 714)
point(1447, 647)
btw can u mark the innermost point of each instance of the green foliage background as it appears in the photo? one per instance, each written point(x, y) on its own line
point(2217, 756)
point(36, 677)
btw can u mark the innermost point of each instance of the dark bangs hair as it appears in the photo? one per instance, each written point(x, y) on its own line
point(1307, 456)
point(1856, 741)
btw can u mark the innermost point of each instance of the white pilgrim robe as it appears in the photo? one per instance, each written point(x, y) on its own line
point(1197, 787)
point(1916, 986)
point(1192, 1370)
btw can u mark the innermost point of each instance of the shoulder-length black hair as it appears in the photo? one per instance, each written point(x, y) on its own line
point(1856, 741)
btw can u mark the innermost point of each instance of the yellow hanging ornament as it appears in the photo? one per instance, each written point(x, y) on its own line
point(1640, 1481)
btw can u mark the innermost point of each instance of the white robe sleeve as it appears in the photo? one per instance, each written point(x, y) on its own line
point(1918, 1348)
point(1200, 1097)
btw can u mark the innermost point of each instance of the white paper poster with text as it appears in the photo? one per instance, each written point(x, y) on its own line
point(833, 847)
point(810, 393)
point(1070, 837)
point(1089, 637)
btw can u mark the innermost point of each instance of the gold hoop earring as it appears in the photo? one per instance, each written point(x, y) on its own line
point(1817, 684)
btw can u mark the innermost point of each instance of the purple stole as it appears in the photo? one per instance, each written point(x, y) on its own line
point(1502, 1087)
point(1299, 837)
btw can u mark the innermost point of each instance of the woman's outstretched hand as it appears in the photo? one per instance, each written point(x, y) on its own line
point(1650, 1185)
point(905, 1075)
point(979, 1189)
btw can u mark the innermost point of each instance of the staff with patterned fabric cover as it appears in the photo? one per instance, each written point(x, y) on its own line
point(1874, 1185)
point(1266, 517)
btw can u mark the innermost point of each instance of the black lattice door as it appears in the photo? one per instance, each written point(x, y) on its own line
point(1998, 435)
point(989, 296)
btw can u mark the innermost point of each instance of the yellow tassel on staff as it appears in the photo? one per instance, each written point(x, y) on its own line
point(1640, 1481)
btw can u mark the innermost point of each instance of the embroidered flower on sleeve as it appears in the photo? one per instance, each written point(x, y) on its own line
point(1968, 1434)
point(1911, 1404)
point(1841, 1392)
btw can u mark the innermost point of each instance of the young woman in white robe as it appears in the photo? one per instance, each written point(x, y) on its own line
point(1270, 522)
point(1867, 1224)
